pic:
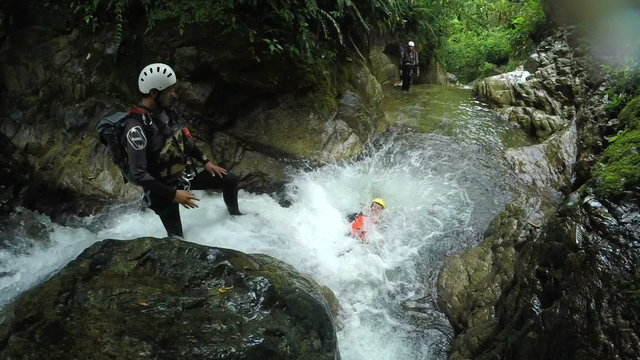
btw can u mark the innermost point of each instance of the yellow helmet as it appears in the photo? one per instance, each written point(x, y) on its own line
point(380, 201)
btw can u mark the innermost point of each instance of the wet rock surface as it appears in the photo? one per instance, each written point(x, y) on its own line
point(555, 275)
point(556, 291)
point(543, 95)
point(169, 299)
point(15, 174)
point(547, 168)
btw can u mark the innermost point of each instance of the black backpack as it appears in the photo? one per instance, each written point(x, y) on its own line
point(111, 133)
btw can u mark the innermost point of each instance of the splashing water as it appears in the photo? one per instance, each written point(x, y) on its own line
point(441, 191)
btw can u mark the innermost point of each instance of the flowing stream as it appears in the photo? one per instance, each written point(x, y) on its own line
point(440, 170)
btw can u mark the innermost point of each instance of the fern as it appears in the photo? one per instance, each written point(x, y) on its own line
point(89, 12)
point(335, 25)
point(305, 31)
point(117, 35)
point(358, 16)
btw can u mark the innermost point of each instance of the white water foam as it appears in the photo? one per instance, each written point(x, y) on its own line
point(431, 191)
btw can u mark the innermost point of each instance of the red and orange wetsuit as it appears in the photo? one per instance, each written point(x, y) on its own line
point(358, 226)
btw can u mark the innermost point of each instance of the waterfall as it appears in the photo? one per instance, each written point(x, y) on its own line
point(441, 188)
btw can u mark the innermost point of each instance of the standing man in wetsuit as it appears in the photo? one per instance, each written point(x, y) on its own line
point(160, 148)
point(409, 66)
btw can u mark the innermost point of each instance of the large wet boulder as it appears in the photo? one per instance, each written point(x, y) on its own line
point(547, 168)
point(290, 127)
point(471, 283)
point(384, 63)
point(21, 185)
point(169, 299)
point(574, 293)
point(435, 73)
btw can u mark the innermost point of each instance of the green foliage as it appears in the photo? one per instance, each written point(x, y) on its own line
point(90, 11)
point(486, 34)
point(626, 85)
point(309, 32)
point(472, 36)
point(630, 115)
point(424, 22)
point(471, 55)
point(619, 166)
point(526, 25)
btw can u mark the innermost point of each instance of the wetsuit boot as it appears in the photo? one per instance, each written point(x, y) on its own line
point(230, 194)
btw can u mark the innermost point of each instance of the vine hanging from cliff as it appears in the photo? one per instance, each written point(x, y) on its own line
point(91, 10)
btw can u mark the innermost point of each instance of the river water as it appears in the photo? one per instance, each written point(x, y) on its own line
point(440, 170)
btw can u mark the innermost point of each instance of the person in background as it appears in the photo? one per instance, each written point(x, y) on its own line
point(363, 222)
point(409, 66)
point(160, 150)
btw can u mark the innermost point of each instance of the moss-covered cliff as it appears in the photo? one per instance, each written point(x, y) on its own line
point(254, 105)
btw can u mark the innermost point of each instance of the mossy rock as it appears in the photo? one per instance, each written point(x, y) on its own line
point(471, 283)
point(619, 167)
point(630, 115)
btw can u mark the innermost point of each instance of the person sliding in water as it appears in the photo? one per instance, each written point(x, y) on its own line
point(363, 222)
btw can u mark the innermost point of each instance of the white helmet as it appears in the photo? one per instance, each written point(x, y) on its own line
point(156, 76)
point(411, 43)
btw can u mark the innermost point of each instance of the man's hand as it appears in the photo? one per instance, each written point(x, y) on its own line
point(215, 169)
point(186, 199)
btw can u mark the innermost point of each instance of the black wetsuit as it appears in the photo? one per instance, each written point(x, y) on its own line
point(145, 140)
point(409, 66)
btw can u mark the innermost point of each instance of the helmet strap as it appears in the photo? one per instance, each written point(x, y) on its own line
point(144, 113)
point(146, 119)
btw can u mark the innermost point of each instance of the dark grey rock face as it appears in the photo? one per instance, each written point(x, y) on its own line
point(563, 290)
point(169, 299)
point(570, 299)
point(15, 173)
